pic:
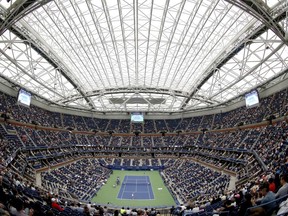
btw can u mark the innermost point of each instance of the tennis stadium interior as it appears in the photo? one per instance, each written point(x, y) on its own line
point(143, 107)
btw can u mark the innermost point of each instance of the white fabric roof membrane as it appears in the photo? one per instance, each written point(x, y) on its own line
point(152, 56)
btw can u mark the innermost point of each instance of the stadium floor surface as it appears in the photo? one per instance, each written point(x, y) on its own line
point(108, 193)
point(136, 188)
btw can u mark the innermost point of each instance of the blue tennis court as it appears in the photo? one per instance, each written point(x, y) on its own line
point(136, 187)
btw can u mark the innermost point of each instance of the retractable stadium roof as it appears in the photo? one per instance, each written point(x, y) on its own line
point(150, 55)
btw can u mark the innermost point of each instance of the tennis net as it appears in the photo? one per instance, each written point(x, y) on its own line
point(136, 183)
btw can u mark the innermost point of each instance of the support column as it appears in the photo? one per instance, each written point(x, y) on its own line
point(38, 179)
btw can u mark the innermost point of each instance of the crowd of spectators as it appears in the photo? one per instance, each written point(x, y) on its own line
point(82, 178)
point(188, 180)
point(21, 198)
point(227, 149)
point(272, 105)
point(248, 152)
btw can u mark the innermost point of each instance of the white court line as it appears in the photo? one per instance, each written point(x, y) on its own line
point(150, 188)
point(123, 191)
point(148, 191)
